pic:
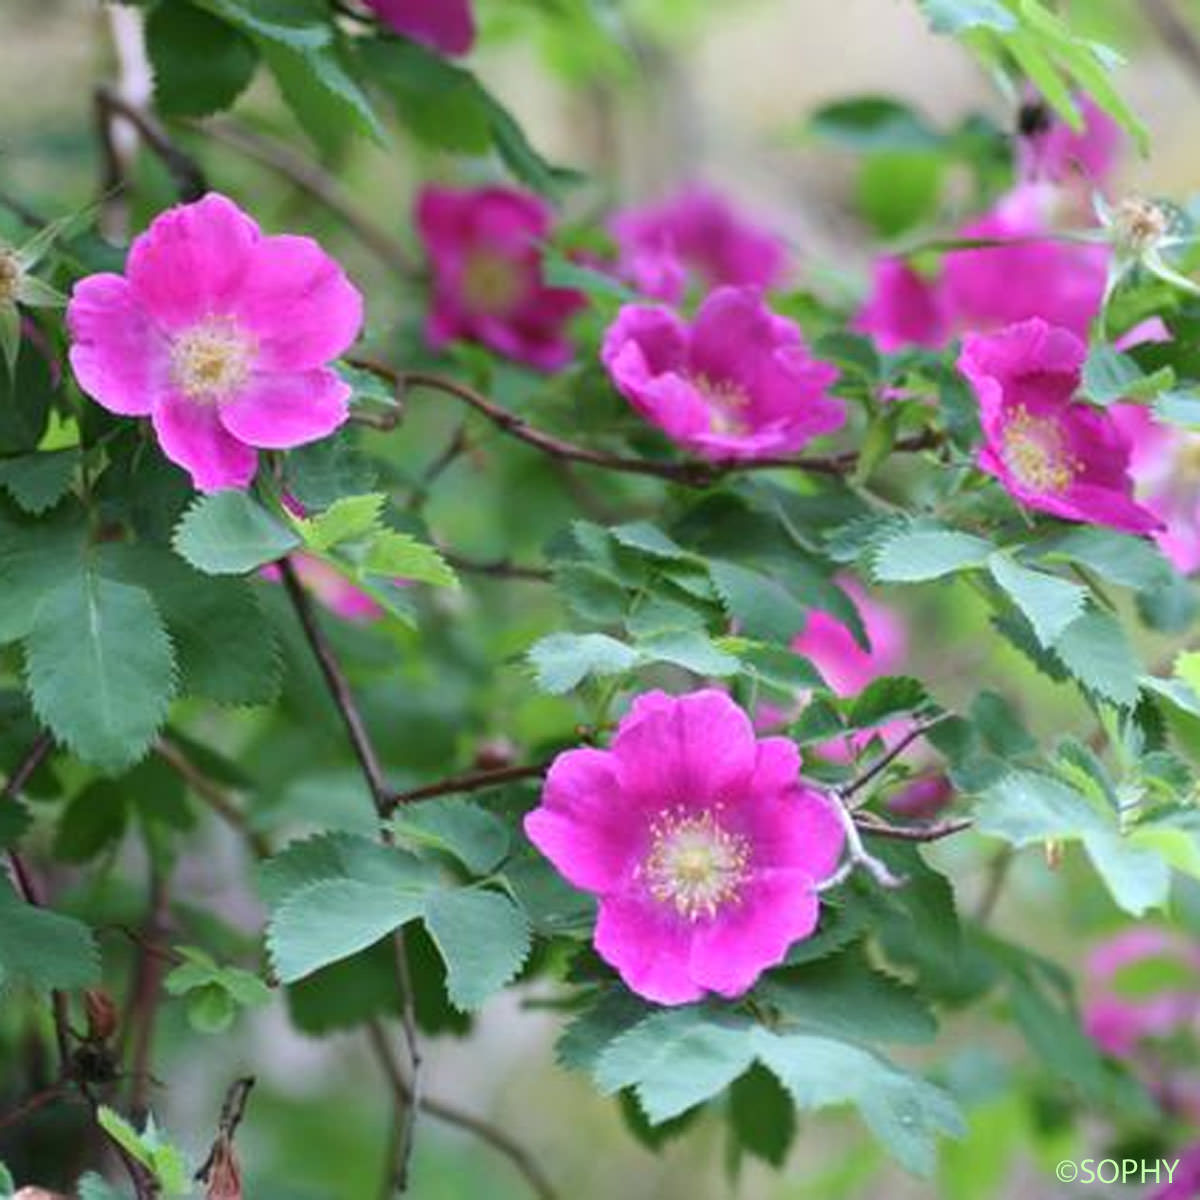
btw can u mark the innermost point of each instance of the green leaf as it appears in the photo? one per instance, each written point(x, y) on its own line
point(295, 24)
point(885, 698)
point(92, 1187)
point(906, 1113)
point(345, 519)
point(201, 64)
point(1119, 558)
point(1109, 376)
point(43, 949)
point(914, 555)
point(1025, 807)
point(484, 939)
point(692, 651)
point(1095, 650)
point(762, 607)
point(7, 1185)
point(93, 820)
point(960, 16)
point(333, 919)
point(479, 839)
point(562, 661)
point(873, 123)
point(150, 1148)
point(401, 556)
point(676, 1058)
point(37, 482)
point(230, 533)
point(225, 646)
point(100, 669)
point(761, 1116)
point(1050, 604)
point(36, 556)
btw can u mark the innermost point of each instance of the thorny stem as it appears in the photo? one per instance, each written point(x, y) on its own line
point(689, 473)
point(484, 1130)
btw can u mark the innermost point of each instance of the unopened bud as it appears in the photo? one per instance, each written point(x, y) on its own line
point(101, 1015)
point(495, 753)
point(224, 1176)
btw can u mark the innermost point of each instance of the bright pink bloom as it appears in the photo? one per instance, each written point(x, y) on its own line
point(905, 308)
point(331, 588)
point(738, 383)
point(1164, 464)
point(447, 26)
point(1185, 1179)
point(483, 245)
point(1052, 452)
point(695, 236)
point(990, 287)
point(1055, 152)
point(221, 336)
point(701, 842)
point(1037, 276)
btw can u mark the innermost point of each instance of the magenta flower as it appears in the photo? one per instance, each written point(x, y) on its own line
point(331, 588)
point(447, 26)
point(704, 847)
point(905, 308)
point(738, 383)
point(698, 236)
point(1051, 452)
point(1036, 276)
point(1055, 152)
point(923, 798)
point(1184, 1183)
point(1163, 465)
point(221, 336)
point(483, 245)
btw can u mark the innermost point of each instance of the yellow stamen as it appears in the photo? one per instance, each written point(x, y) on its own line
point(694, 864)
point(212, 359)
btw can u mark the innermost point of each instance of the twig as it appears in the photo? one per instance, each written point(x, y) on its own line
point(233, 1109)
point(690, 473)
point(146, 994)
point(857, 855)
point(913, 833)
point(484, 1130)
point(497, 568)
point(475, 781)
point(213, 795)
point(35, 1102)
point(364, 751)
point(309, 178)
point(997, 875)
point(886, 759)
point(185, 172)
point(455, 448)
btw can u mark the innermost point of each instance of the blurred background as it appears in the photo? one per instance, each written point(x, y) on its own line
point(718, 92)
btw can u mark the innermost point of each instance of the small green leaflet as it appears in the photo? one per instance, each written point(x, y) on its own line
point(230, 533)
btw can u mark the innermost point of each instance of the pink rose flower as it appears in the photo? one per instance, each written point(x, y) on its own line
point(738, 383)
point(1053, 151)
point(221, 336)
point(704, 847)
point(695, 235)
point(990, 287)
point(1051, 452)
point(447, 26)
point(905, 308)
point(1185, 1179)
point(923, 798)
point(1164, 464)
point(996, 286)
point(483, 245)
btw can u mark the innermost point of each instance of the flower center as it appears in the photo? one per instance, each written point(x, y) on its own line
point(694, 864)
point(492, 285)
point(727, 403)
point(212, 359)
point(1034, 452)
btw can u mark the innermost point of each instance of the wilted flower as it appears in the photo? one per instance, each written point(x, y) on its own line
point(484, 248)
point(1050, 451)
point(221, 336)
point(447, 26)
point(696, 236)
point(701, 842)
point(737, 383)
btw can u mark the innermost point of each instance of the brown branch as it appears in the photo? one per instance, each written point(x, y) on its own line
point(186, 174)
point(145, 994)
point(214, 795)
point(497, 568)
point(484, 1130)
point(475, 781)
point(889, 756)
point(368, 761)
point(912, 833)
point(689, 473)
point(309, 178)
point(233, 1109)
point(37, 1101)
